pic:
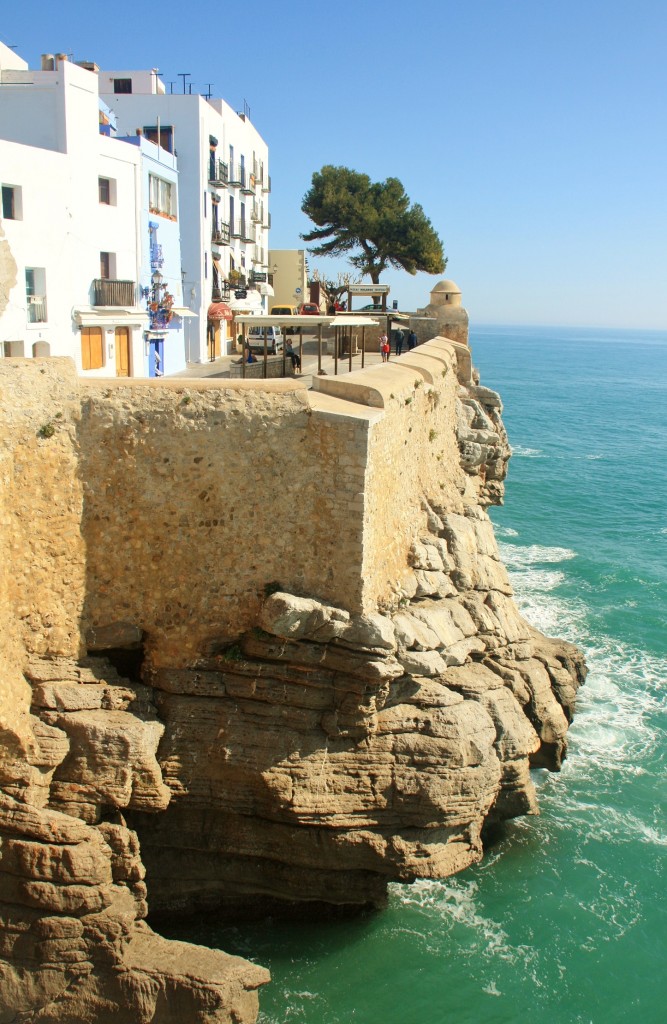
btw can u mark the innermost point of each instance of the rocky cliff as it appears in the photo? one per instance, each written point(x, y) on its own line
point(259, 647)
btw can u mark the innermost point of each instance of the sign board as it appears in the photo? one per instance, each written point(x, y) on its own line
point(259, 278)
point(368, 289)
point(241, 294)
point(297, 291)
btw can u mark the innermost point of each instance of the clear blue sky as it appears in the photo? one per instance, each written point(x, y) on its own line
point(532, 132)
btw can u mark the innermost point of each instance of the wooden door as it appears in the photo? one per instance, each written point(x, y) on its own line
point(122, 351)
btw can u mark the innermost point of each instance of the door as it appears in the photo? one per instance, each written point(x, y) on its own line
point(155, 357)
point(122, 344)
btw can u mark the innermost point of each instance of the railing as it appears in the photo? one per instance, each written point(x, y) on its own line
point(235, 174)
point(113, 293)
point(267, 220)
point(266, 184)
point(243, 229)
point(220, 234)
point(248, 183)
point(36, 309)
point(218, 172)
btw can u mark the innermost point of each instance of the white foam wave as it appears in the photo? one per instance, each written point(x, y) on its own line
point(505, 531)
point(453, 902)
point(522, 452)
point(515, 556)
point(616, 735)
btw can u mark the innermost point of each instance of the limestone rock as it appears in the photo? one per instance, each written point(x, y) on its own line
point(302, 618)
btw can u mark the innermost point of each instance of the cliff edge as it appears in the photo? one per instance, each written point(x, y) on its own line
point(259, 646)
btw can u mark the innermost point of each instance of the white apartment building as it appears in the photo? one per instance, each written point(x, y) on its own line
point(75, 242)
point(224, 187)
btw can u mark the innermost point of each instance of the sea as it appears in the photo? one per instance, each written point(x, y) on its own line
point(565, 919)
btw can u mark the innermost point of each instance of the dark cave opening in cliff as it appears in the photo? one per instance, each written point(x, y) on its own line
point(127, 661)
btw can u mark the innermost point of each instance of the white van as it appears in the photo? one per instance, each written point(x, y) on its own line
point(274, 340)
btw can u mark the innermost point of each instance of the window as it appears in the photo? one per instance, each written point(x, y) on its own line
point(35, 291)
point(92, 350)
point(162, 196)
point(105, 191)
point(165, 137)
point(11, 202)
point(108, 265)
point(121, 85)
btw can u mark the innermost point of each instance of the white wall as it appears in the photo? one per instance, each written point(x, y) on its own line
point(64, 227)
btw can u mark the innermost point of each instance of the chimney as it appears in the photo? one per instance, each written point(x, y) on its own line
point(61, 58)
point(48, 63)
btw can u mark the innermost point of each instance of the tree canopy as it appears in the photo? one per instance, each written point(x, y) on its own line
point(352, 212)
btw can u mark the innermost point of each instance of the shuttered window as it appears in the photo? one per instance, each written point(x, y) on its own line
point(92, 352)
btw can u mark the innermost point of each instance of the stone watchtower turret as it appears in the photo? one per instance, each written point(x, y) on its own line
point(445, 306)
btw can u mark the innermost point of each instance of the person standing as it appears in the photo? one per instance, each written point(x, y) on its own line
point(412, 340)
point(400, 338)
point(384, 348)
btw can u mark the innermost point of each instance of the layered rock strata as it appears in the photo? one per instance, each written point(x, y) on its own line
point(258, 644)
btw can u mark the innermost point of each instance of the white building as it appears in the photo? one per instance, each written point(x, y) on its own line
point(223, 199)
point(75, 274)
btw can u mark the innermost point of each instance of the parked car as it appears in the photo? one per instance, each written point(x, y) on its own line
point(274, 340)
point(374, 307)
point(309, 309)
point(286, 311)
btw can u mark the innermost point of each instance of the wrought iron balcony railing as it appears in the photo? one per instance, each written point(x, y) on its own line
point(113, 293)
point(220, 234)
point(218, 172)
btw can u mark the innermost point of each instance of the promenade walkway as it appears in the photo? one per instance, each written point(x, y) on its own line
point(221, 366)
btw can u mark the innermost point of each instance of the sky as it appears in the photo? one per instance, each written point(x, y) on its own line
point(532, 132)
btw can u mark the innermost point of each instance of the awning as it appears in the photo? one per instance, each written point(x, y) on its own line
point(265, 289)
point(219, 311)
point(182, 311)
point(109, 316)
point(252, 301)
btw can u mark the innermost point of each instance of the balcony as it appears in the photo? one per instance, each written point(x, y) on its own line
point(220, 234)
point(267, 220)
point(218, 172)
point(235, 175)
point(266, 184)
point(113, 293)
point(221, 293)
point(248, 183)
point(36, 309)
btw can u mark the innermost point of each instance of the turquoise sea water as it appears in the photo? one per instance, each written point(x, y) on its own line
point(565, 921)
